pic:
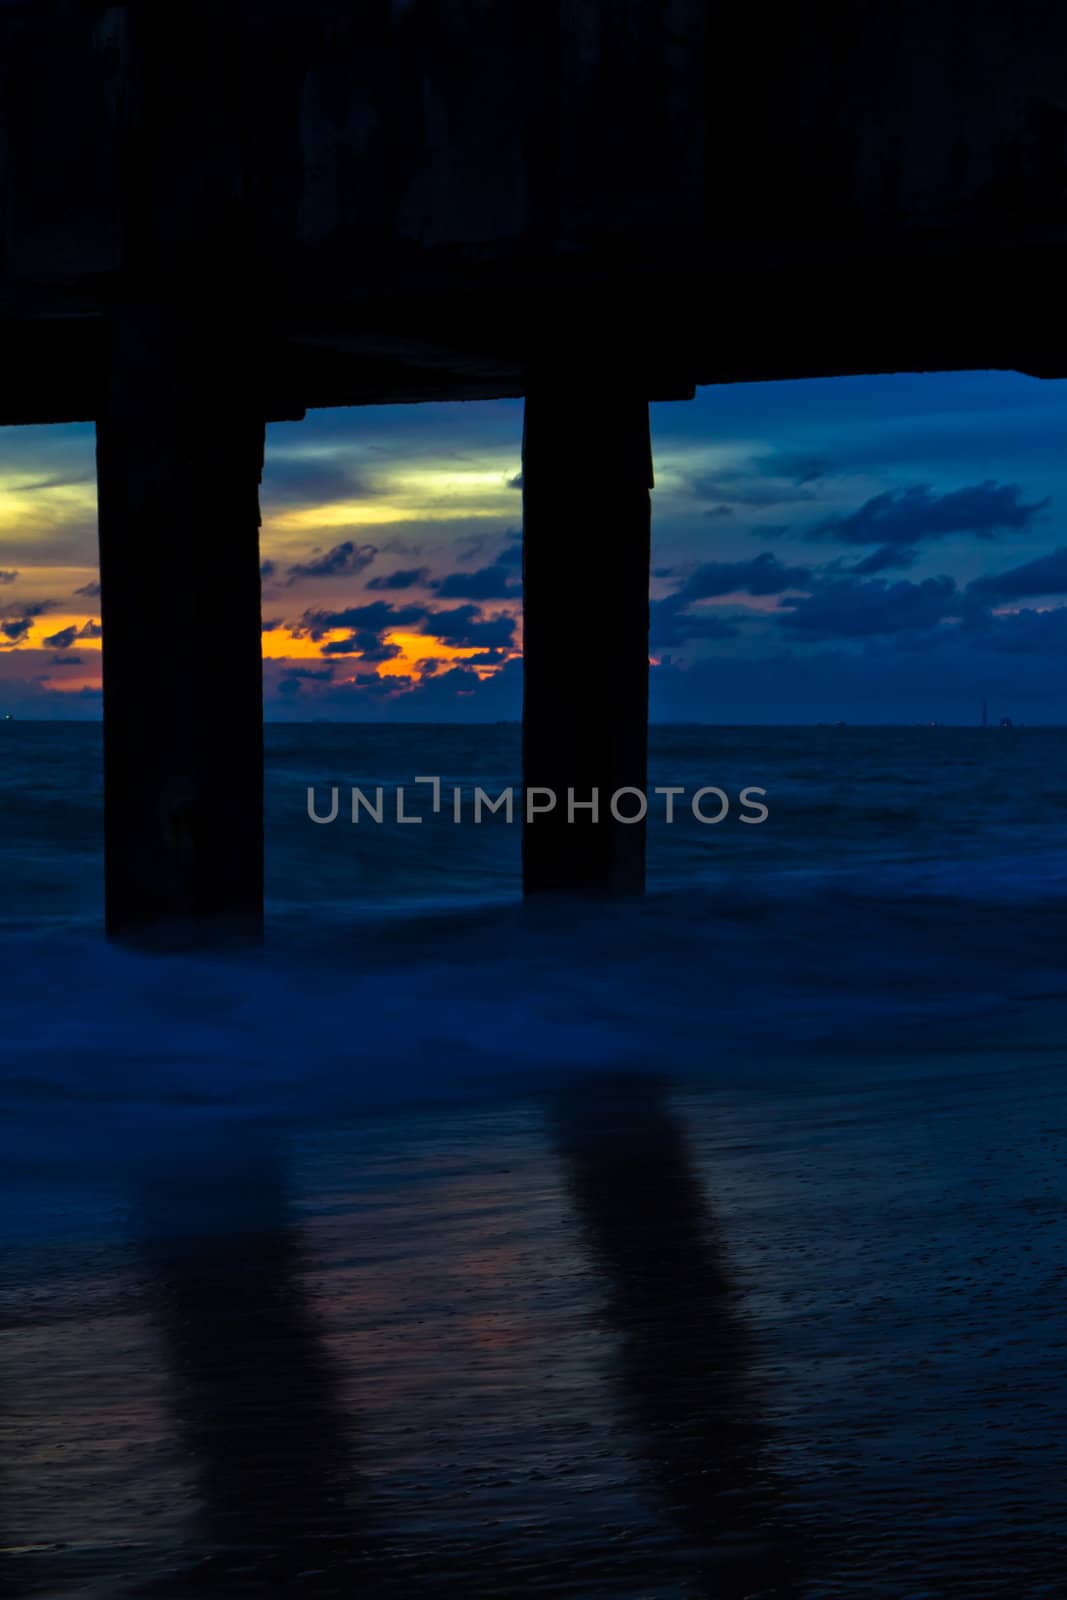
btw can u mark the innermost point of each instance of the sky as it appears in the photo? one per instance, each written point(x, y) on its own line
point(879, 549)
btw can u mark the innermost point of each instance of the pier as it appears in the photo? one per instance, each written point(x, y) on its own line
point(217, 215)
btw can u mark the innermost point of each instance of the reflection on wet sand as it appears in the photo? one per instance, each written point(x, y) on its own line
point(684, 1359)
point(505, 1354)
point(294, 1488)
point(10, 1575)
point(255, 1395)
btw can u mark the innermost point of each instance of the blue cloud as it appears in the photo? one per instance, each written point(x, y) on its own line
point(344, 560)
point(847, 608)
point(907, 516)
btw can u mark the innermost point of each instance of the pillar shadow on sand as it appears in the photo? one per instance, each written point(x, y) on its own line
point(683, 1368)
point(268, 1442)
point(257, 1399)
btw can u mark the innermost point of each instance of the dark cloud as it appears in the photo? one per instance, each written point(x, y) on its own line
point(405, 547)
point(763, 575)
point(749, 485)
point(66, 661)
point(377, 650)
point(376, 615)
point(464, 626)
point(516, 481)
point(365, 644)
point(403, 578)
point(1045, 575)
point(672, 624)
point(470, 546)
point(370, 685)
point(270, 624)
point(267, 569)
point(91, 630)
point(487, 658)
point(91, 591)
point(502, 548)
point(312, 480)
point(460, 626)
point(849, 608)
point(1028, 632)
point(798, 468)
point(459, 679)
point(15, 626)
point(458, 694)
point(63, 639)
point(449, 692)
point(1013, 660)
point(887, 558)
point(292, 679)
point(494, 582)
point(8, 577)
point(343, 560)
point(669, 629)
point(907, 516)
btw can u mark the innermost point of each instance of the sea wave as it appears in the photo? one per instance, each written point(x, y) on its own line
point(110, 1054)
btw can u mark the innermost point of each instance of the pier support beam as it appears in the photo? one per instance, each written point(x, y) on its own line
point(587, 472)
point(179, 459)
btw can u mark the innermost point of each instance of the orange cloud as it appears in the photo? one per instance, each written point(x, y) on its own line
point(281, 645)
point(416, 647)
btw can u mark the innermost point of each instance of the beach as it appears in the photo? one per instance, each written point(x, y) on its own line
point(616, 1340)
point(710, 1247)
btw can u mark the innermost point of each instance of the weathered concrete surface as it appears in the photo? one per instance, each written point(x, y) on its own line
point(418, 195)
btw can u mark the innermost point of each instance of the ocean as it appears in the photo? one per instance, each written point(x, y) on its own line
point(876, 811)
point(887, 883)
point(450, 1246)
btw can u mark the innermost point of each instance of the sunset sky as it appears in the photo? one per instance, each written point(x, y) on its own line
point(867, 549)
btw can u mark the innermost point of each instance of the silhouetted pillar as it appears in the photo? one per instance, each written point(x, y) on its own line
point(179, 455)
point(179, 458)
point(587, 472)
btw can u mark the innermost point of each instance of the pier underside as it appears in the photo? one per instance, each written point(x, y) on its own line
point(238, 211)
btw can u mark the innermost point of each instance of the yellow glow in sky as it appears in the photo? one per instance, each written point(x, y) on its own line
point(340, 514)
point(469, 484)
point(26, 501)
point(417, 494)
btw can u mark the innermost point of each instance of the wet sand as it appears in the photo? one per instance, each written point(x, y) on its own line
point(631, 1340)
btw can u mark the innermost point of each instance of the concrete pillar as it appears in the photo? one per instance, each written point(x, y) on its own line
point(179, 457)
point(587, 472)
